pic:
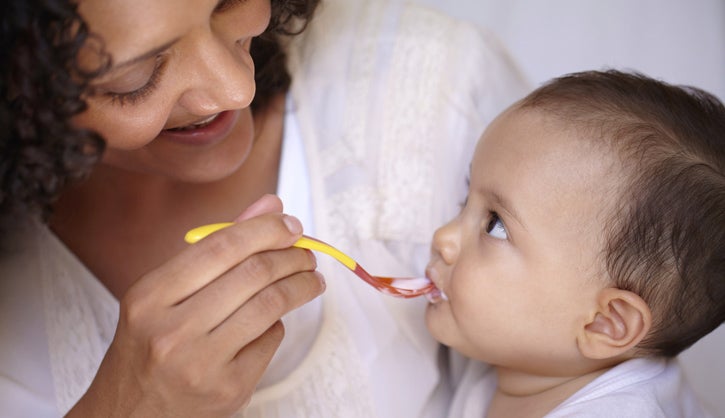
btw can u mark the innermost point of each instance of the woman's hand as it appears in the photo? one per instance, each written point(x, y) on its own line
point(196, 334)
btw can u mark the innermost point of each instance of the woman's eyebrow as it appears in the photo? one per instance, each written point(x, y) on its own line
point(144, 56)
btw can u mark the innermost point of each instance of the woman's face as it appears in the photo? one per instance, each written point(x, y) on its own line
point(175, 101)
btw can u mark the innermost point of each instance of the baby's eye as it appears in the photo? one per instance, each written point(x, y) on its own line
point(495, 227)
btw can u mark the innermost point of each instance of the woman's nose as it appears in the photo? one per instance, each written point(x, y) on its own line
point(221, 77)
point(446, 242)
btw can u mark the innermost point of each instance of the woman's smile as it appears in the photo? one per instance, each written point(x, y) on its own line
point(200, 124)
point(207, 131)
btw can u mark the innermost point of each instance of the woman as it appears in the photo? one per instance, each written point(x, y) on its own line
point(352, 150)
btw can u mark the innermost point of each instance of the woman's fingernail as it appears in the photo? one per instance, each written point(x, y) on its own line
point(312, 256)
point(321, 278)
point(293, 224)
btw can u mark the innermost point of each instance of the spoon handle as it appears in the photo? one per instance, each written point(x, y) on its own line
point(200, 232)
point(317, 245)
point(306, 242)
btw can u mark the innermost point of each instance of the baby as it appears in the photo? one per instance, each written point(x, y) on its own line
point(589, 253)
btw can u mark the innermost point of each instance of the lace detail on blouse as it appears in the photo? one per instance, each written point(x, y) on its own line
point(406, 183)
point(80, 316)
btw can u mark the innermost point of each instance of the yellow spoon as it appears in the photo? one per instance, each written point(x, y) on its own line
point(407, 287)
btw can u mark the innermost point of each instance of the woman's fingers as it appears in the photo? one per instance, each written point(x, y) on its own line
point(168, 352)
point(208, 307)
point(205, 324)
point(203, 262)
point(240, 376)
point(262, 310)
point(252, 360)
point(268, 203)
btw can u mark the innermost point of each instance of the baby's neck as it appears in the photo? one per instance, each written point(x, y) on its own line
point(524, 395)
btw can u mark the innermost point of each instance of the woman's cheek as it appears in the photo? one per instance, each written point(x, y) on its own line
point(124, 129)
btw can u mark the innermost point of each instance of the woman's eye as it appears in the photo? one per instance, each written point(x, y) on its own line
point(495, 227)
point(137, 94)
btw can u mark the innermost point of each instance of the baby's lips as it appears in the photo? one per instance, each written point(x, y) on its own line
point(435, 295)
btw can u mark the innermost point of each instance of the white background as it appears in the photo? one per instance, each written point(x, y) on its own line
point(679, 41)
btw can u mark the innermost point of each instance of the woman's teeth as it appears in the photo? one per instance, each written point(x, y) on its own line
point(196, 125)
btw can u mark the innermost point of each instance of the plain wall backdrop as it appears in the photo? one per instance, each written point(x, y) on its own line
point(678, 41)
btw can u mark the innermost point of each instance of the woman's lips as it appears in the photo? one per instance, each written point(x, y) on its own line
point(205, 132)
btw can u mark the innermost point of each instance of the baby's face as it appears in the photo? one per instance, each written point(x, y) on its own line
point(521, 264)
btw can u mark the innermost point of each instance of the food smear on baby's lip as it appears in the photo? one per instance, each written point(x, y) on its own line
point(436, 296)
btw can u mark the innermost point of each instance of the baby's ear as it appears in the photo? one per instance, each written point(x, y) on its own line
point(620, 321)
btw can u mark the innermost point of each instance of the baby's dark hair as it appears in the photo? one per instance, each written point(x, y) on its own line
point(666, 238)
point(42, 88)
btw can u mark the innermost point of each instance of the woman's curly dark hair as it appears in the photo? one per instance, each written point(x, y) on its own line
point(42, 87)
point(289, 17)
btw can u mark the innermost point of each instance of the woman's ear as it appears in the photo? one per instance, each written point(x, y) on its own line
point(619, 322)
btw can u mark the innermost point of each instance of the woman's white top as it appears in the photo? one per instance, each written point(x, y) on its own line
point(294, 189)
point(389, 99)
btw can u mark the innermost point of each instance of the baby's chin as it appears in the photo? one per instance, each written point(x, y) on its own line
point(435, 320)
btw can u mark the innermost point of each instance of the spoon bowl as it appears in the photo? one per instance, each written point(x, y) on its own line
point(402, 287)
